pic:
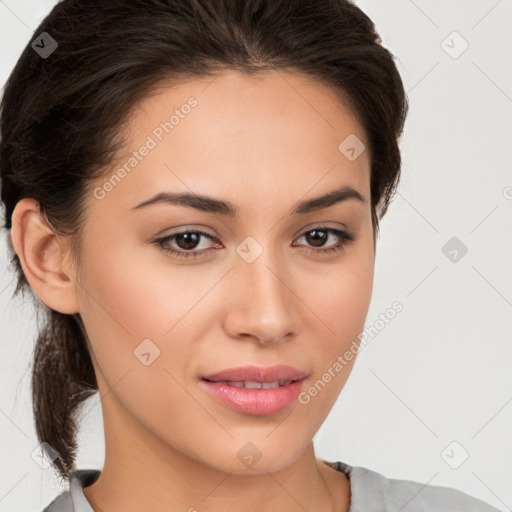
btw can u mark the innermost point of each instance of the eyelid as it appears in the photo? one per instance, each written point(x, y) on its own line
point(201, 230)
point(344, 236)
point(325, 225)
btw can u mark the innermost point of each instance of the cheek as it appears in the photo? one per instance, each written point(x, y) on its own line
point(342, 296)
point(136, 297)
point(341, 301)
point(136, 318)
point(343, 307)
point(346, 303)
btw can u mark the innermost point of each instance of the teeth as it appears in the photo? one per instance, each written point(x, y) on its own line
point(251, 384)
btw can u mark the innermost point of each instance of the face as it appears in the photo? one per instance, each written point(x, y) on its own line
point(264, 277)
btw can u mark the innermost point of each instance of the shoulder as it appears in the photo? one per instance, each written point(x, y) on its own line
point(371, 489)
point(62, 503)
point(74, 500)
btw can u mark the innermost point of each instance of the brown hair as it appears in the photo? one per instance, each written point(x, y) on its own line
point(62, 118)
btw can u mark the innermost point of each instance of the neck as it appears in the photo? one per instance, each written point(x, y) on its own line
point(143, 473)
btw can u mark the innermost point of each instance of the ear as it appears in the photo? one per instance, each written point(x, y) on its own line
point(43, 255)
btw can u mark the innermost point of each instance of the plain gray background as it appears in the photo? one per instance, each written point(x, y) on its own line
point(433, 385)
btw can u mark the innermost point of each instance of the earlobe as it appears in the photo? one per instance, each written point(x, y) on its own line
point(42, 254)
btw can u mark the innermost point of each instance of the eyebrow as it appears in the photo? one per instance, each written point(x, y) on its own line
point(212, 205)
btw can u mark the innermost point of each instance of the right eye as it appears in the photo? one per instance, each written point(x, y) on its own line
point(188, 238)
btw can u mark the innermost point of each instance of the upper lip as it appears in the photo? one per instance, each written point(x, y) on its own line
point(257, 374)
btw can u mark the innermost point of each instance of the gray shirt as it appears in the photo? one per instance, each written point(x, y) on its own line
point(370, 492)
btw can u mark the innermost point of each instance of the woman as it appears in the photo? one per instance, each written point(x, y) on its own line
point(193, 190)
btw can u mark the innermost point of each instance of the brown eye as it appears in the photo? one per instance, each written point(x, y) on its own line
point(319, 236)
point(186, 242)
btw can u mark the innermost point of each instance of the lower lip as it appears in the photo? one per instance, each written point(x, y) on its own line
point(256, 402)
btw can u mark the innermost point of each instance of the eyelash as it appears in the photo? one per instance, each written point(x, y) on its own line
point(344, 236)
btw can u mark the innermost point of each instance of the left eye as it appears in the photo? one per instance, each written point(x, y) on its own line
point(188, 240)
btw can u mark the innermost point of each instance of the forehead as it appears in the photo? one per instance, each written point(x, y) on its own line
point(271, 99)
point(251, 133)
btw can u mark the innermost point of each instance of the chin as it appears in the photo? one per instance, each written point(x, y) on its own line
point(256, 458)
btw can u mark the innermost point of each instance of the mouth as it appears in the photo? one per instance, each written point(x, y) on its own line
point(255, 391)
point(252, 384)
point(249, 376)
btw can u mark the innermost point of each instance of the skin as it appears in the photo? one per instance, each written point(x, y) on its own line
point(249, 139)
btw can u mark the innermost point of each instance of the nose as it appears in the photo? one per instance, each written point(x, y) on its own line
point(263, 305)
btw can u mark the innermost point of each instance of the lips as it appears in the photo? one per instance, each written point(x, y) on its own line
point(255, 391)
point(253, 376)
